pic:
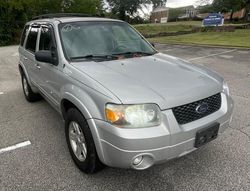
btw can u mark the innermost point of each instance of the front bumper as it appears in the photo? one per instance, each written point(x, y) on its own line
point(119, 147)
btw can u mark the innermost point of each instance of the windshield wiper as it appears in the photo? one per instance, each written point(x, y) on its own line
point(136, 52)
point(91, 56)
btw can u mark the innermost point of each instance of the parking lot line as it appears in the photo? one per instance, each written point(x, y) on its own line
point(1, 93)
point(211, 55)
point(14, 147)
point(168, 50)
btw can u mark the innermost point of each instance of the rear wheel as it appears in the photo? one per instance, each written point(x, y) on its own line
point(28, 93)
point(80, 142)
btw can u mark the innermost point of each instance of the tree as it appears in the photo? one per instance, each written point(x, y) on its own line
point(83, 6)
point(175, 13)
point(157, 3)
point(15, 13)
point(128, 7)
point(205, 6)
point(228, 6)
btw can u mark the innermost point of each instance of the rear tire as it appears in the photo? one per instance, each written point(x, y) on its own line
point(28, 93)
point(80, 142)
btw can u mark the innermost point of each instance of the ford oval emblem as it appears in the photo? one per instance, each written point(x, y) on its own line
point(202, 108)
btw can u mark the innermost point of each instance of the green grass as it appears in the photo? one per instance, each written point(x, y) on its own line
point(156, 28)
point(239, 38)
point(168, 27)
point(195, 23)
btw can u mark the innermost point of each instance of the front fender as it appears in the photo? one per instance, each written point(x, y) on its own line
point(90, 102)
point(23, 71)
point(92, 105)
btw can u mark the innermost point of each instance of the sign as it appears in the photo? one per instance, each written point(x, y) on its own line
point(164, 20)
point(213, 19)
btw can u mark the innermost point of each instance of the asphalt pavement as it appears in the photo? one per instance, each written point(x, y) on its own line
point(45, 163)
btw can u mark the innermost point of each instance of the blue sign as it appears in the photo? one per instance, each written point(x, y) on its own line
point(213, 19)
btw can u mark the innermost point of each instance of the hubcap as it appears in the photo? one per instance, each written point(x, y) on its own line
point(77, 141)
point(25, 87)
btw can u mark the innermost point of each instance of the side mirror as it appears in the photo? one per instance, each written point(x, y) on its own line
point(44, 56)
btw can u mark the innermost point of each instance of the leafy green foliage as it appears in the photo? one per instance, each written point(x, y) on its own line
point(206, 9)
point(222, 6)
point(175, 13)
point(15, 13)
point(228, 5)
point(125, 8)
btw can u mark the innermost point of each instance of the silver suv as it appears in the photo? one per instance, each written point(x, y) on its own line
point(124, 104)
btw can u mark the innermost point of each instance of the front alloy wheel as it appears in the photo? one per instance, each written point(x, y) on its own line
point(25, 87)
point(77, 141)
point(80, 142)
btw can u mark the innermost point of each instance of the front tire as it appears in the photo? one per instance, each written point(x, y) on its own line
point(80, 142)
point(28, 93)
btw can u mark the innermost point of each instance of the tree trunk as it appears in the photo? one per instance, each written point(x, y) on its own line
point(231, 16)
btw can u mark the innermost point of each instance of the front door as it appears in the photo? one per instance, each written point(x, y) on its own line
point(47, 72)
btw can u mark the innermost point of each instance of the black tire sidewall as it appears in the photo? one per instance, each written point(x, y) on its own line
point(26, 96)
point(89, 165)
point(31, 97)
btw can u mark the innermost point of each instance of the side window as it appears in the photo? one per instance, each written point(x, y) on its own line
point(46, 41)
point(32, 37)
point(24, 34)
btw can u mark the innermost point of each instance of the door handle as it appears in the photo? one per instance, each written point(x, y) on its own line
point(38, 66)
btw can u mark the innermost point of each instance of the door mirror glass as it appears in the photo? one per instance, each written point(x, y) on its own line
point(44, 56)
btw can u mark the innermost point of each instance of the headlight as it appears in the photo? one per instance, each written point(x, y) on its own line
point(225, 88)
point(133, 116)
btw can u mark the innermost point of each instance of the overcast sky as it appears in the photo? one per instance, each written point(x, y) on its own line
point(180, 3)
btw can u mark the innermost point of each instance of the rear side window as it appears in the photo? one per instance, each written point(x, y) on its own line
point(32, 37)
point(46, 39)
point(24, 34)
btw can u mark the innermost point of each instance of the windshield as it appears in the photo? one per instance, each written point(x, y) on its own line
point(88, 40)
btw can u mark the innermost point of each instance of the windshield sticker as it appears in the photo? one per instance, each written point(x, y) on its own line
point(68, 28)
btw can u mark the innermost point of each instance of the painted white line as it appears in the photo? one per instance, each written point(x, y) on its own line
point(168, 50)
point(1, 93)
point(14, 147)
point(211, 55)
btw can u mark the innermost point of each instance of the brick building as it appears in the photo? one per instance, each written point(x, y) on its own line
point(237, 15)
point(160, 15)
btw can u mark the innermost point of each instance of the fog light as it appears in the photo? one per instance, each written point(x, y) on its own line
point(137, 160)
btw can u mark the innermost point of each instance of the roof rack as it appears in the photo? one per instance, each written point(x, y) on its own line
point(58, 15)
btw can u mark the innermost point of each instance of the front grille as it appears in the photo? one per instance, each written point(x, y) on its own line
point(188, 113)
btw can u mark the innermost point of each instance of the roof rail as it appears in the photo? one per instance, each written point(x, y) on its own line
point(58, 15)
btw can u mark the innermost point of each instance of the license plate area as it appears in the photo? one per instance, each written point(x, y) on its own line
point(206, 135)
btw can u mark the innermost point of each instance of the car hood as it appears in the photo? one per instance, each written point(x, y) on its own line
point(161, 79)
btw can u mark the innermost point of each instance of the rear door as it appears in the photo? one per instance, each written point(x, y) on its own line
point(29, 53)
point(22, 51)
point(22, 44)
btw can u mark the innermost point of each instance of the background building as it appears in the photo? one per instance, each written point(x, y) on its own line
point(189, 12)
point(164, 14)
point(160, 15)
